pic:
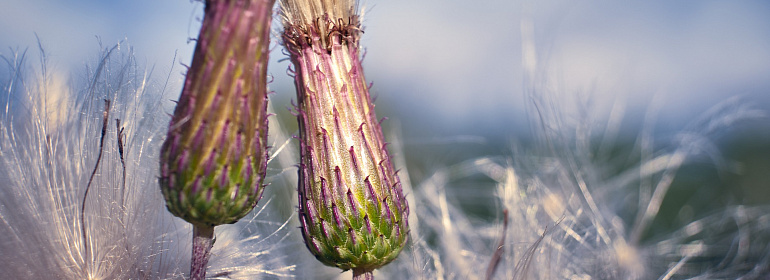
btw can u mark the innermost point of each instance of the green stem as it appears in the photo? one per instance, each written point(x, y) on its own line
point(203, 240)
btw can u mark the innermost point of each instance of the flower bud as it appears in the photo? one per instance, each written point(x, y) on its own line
point(352, 210)
point(214, 158)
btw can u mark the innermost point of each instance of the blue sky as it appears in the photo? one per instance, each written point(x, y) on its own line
point(461, 61)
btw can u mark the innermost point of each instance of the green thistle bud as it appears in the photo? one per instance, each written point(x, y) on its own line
point(351, 206)
point(214, 159)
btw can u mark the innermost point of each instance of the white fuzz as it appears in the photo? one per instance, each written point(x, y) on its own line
point(577, 212)
point(57, 225)
point(50, 150)
point(572, 215)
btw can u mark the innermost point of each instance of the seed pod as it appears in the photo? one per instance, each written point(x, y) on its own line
point(352, 210)
point(214, 158)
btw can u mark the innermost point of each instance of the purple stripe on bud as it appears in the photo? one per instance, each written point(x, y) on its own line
point(324, 192)
point(352, 203)
point(212, 109)
point(398, 230)
point(365, 142)
point(309, 212)
point(384, 175)
point(305, 180)
point(223, 136)
point(247, 170)
point(344, 93)
point(314, 244)
point(210, 163)
point(224, 178)
point(368, 224)
point(243, 99)
point(209, 194)
point(318, 73)
point(386, 210)
point(238, 91)
point(354, 162)
point(370, 188)
point(324, 229)
point(176, 138)
point(196, 186)
point(256, 184)
point(200, 134)
point(303, 223)
point(237, 146)
point(164, 170)
point(184, 160)
point(326, 146)
point(352, 235)
point(338, 127)
point(336, 215)
point(397, 199)
point(339, 182)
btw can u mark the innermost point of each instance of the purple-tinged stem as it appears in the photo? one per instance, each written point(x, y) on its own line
point(362, 274)
point(203, 240)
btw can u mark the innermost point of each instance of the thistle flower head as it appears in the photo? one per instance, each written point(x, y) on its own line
point(214, 159)
point(352, 209)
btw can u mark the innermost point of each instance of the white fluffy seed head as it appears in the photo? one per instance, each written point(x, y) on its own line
point(50, 134)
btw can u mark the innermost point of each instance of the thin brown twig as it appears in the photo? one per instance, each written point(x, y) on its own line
point(497, 256)
point(105, 120)
point(121, 144)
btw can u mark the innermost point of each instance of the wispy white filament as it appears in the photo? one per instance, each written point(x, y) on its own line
point(50, 135)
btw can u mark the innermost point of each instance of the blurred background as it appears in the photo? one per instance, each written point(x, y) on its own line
point(455, 78)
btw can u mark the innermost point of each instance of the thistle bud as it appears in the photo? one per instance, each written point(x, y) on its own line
point(214, 158)
point(352, 210)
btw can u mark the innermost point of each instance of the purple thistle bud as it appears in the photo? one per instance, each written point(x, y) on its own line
point(212, 144)
point(215, 157)
point(349, 205)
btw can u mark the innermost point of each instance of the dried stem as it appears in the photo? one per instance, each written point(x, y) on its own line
point(121, 144)
point(91, 180)
point(500, 249)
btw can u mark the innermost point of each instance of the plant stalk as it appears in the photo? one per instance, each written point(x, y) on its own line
point(203, 240)
point(363, 274)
